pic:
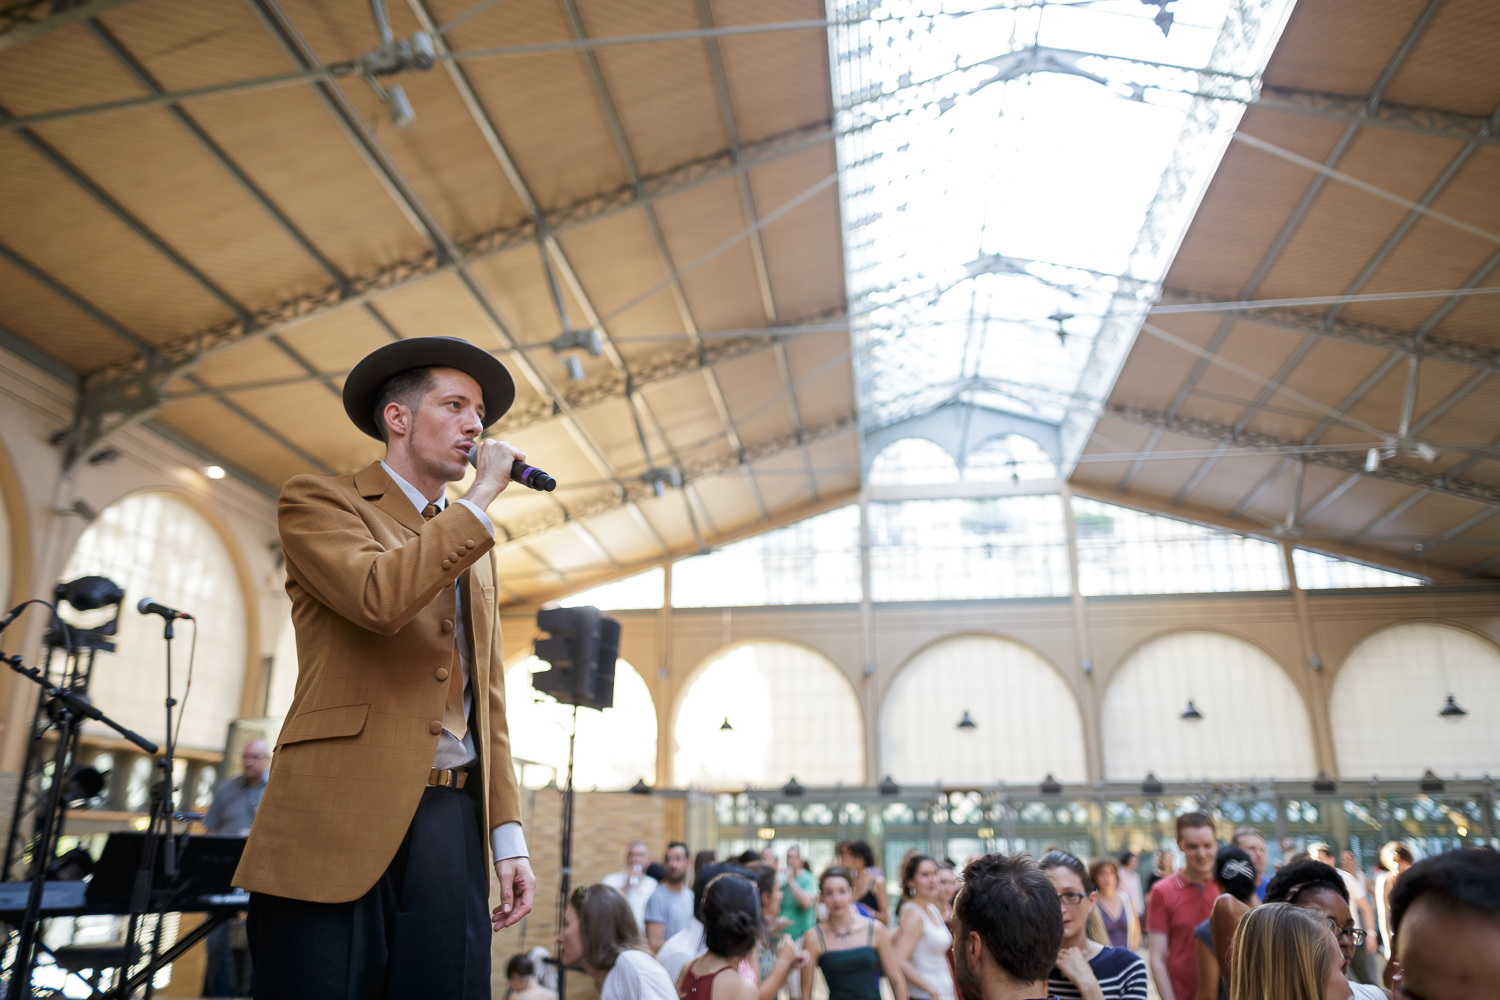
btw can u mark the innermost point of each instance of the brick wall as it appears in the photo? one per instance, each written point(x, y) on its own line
point(604, 824)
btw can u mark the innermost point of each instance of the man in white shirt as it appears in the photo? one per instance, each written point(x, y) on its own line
point(634, 884)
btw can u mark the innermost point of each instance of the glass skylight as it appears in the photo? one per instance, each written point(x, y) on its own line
point(1005, 227)
point(644, 590)
point(1316, 571)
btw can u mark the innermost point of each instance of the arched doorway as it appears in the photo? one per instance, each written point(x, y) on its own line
point(615, 748)
point(1385, 704)
point(1026, 721)
point(790, 713)
point(1253, 722)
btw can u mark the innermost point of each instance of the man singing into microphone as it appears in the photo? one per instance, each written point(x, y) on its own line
point(392, 774)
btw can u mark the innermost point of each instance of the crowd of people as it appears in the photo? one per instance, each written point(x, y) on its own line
point(1011, 927)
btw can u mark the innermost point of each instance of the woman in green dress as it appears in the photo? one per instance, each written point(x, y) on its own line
point(852, 951)
point(799, 895)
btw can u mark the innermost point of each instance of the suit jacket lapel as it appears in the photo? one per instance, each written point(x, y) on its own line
point(375, 484)
point(478, 620)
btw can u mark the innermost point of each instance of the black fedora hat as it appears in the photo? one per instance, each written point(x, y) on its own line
point(379, 365)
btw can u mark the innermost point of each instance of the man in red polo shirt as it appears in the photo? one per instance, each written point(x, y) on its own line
point(1178, 904)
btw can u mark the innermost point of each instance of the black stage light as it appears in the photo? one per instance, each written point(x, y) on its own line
point(89, 593)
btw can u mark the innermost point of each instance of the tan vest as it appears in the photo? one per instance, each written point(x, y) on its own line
point(372, 589)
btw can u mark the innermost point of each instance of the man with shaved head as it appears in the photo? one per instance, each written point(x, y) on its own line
point(634, 884)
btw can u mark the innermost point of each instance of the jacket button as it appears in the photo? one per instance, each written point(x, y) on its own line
point(447, 625)
point(468, 543)
point(441, 673)
point(447, 563)
point(455, 556)
point(435, 726)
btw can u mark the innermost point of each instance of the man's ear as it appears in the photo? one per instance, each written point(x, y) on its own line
point(976, 950)
point(397, 419)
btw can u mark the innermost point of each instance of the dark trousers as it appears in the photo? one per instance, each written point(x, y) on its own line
point(423, 930)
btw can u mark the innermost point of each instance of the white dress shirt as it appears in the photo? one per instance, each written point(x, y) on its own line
point(506, 840)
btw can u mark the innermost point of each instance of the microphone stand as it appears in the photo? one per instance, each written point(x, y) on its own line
point(67, 709)
point(163, 807)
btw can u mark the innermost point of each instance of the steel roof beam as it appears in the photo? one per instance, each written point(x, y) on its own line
point(1207, 430)
point(1273, 253)
point(1400, 117)
point(20, 28)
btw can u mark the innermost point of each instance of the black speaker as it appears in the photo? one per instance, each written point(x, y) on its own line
point(581, 646)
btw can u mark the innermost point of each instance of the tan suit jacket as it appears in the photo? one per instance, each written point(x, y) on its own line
point(372, 589)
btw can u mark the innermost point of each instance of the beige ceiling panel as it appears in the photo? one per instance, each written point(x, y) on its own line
point(1154, 368)
point(610, 423)
point(70, 66)
point(1368, 31)
point(777, 80)
point(728, 496)
point(668, 517)
point(756, 396)
point(254, 361)
point(33, 311)
point(1247, 203)
point(616, 262)
point(823, 375)
point(1452, 65)
point(543, 106)
point(567, 552)
point(152, 166)
point(315, 419)
point(220, 430)
point(724, 291)
point(662, 91)
point(619, 532)
point(439, 306)
point(61, 230)
point(836, 461)
point(804, 247)
point(684, 411)
point(783, 481)
point(338, 340)
point(186, 46)
point(1344, 225)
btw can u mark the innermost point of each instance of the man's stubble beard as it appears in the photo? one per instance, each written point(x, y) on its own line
point(965, 978)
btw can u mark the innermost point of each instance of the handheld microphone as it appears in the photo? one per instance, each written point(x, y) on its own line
point(147, 606)
point(527, 475)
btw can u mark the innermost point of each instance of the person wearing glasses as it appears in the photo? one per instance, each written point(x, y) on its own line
point(1087, 968)
point(601, 936)
point(1312, 885)
point(1359, 905)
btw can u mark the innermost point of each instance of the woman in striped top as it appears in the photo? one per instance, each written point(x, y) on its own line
point(1087, 969)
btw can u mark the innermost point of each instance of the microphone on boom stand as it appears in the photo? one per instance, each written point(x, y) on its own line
point(147, 606)
point(527, 475)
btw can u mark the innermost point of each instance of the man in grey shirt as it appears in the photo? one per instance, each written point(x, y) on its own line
point(670, 907)
point(236, 800)
point(232, 812)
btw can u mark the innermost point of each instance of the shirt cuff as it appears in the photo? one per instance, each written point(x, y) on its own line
point(484, 518)
point(507, 840)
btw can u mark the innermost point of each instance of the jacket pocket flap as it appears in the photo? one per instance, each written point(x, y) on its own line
point(325, 723)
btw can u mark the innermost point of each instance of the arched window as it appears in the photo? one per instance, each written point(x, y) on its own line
point(1009, 457)
point(790, 713)
point(912, 462)
point(155, 545)
point(1026, 722)
point(1386, 699)
point(615, 747)
point(1253, 722)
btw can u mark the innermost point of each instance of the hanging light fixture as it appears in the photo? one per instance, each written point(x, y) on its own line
point(966, 722)
point(1452, 710)
point(726, 727)
point(1191, 713)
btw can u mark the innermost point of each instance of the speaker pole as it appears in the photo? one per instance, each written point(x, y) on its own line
point(565, 856)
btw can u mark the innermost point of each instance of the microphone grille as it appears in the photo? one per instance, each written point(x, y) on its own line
point(143, 604)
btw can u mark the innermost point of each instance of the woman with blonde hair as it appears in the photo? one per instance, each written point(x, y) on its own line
point(1283, 952)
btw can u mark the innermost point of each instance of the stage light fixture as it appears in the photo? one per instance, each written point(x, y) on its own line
point(726, 727)
point(1051, 786)
point(1372, 460)
point(791, 788)
point(967, 722)
point(888, 786)
point(214, 471)
point(1152, 785)
point(89, 593)
point(640, 787)
point(1191, 713)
